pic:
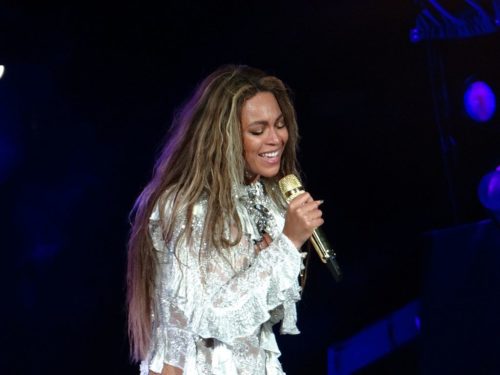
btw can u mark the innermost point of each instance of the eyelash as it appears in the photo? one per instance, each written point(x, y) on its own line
point(280, 125)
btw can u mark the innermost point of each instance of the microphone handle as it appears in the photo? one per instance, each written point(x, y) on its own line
point(326, 253)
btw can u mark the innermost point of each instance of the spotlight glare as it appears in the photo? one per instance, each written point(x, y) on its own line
point(489, 191)
point(2, 70)
point(479, 101)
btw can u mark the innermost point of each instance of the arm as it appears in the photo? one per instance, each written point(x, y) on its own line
point(244, 301)
point(168, 370)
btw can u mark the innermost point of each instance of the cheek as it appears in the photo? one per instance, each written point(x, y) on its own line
point(284, 136)
point(248, 148)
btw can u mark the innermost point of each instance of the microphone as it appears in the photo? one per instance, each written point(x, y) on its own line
point(291, 187)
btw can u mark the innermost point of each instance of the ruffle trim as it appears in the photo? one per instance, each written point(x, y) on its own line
point(176, 348)
point(227, 323)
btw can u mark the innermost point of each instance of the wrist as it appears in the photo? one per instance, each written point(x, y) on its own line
point(295, 242)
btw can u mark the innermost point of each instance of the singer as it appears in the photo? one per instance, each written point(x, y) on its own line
point(213, 255)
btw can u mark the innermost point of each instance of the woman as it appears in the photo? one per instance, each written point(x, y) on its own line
point(213, 254)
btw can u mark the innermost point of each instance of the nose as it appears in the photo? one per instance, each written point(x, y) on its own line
point(273, 137)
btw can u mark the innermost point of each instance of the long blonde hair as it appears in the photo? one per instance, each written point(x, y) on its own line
point(203, 155)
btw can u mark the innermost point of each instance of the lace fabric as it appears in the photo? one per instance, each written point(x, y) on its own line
point(214, 313)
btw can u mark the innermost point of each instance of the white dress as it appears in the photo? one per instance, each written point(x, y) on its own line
point(214, 310)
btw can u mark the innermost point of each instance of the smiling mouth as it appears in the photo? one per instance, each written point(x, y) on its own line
point(270, 155)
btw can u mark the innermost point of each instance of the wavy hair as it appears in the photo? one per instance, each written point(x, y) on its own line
point(203, 155)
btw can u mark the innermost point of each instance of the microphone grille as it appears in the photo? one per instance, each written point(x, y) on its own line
point(290, 187)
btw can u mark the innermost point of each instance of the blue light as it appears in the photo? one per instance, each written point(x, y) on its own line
point(489, 190)
point(376, 341)
point(415, 35)
point(480, 101)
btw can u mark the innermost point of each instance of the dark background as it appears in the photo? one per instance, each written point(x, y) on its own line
point(88, 94)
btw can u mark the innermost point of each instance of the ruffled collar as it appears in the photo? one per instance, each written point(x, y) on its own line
point(252, 191)
point(258, 204)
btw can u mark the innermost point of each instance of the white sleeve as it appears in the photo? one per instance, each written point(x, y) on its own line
point(238, 307)
point(204, 298)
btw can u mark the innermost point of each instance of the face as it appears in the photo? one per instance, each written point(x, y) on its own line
point(264, 135)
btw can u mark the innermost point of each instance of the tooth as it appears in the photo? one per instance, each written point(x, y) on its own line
point(270, 154)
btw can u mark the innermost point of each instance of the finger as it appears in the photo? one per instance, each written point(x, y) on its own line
point(313, 222)
point(317, 223)
point(309, 199)
point(266, 238)
point(311, 206)
point(259, 246)
point(315, 214)
point(301, 199)
point(315, 203)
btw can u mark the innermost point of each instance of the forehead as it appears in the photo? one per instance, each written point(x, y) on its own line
point(262, 105)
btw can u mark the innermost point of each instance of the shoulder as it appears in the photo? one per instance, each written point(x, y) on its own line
point(170, 206)
point(163, 205)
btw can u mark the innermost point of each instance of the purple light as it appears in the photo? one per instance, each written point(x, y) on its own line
point(415, 35)
point(489, 190)
point(375, 341)
point(480, 101)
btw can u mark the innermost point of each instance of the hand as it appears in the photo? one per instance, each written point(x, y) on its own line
point(168, 370)
point(302, 218)
point(265, 242)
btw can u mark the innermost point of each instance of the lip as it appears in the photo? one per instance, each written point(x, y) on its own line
point(274, 160)
point(278, 150)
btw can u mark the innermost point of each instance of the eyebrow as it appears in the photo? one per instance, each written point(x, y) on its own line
point(264, 122)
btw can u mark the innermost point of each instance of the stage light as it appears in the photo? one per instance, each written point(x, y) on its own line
point(480, 101)
point(2, 70)
point(440, 19)
point(376, 341)
point(415, 35)
point(489, 191)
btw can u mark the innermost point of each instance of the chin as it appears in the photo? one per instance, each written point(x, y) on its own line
point(270, 174)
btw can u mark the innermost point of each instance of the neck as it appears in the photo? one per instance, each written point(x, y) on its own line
point(250, 179)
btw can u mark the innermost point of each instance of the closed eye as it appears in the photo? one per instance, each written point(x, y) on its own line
point(280, 122)
point(256, 132)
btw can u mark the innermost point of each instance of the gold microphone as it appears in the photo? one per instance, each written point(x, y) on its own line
point(291, 187)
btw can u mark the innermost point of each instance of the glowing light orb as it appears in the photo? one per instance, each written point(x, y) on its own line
point(480, 101)
point(489, 190)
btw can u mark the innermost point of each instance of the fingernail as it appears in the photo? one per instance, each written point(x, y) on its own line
point(321, 201)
